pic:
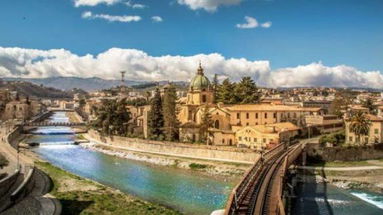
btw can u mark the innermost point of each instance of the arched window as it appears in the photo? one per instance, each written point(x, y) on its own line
point(203, 98)
point(216, 124)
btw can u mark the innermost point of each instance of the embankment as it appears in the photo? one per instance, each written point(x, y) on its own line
point(193, 151)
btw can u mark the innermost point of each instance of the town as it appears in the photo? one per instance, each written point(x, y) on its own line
point(231, 121)
point(192, 107)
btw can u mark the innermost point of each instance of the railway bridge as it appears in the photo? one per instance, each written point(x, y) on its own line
point(262, 190)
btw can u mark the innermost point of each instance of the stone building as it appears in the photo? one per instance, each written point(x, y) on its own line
point(375, 132)
point(261, 136)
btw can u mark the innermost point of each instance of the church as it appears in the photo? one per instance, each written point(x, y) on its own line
point(271, 123)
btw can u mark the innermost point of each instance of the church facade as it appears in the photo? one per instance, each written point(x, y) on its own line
point(229, 119)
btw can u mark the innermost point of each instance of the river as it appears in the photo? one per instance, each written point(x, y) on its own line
point(184, 190)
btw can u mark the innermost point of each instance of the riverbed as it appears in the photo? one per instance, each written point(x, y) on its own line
point(184, 190)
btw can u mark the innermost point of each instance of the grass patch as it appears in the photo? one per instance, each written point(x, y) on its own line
point(197, 166)
point(99, 199)
point(80, 137)
point(343, 164)
point(3, 161)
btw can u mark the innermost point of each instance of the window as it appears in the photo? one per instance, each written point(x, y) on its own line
point(295, 115)
point(230, 142)
point(264, 140)
point(223, 141)
point(366, 140)
point(265, 115)
point(240, 138)
point(275, 115)
point(256, 115)
point(376, 131)
point(203, 98)
point(247, 115)
point(247, 124)
point(350, 139)
point(255, 139)
point(216, 124)
point(238, 116)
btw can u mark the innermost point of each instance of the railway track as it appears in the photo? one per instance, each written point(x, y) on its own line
point(242, 200)
point(269, 196)
point(260, 192)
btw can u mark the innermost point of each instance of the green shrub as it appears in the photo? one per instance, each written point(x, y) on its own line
point(197, 166)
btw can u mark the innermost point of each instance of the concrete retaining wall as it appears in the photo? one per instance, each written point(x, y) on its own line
point(343, 153)
point(7, 182)
point(229, 154)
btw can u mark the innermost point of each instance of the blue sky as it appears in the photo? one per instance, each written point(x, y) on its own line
point(303, 31)
point(328, 41)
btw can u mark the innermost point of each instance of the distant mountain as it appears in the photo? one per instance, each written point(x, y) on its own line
point(36, 91)
point(68, 83)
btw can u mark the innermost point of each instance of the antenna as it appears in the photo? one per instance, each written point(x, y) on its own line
point(122, 78)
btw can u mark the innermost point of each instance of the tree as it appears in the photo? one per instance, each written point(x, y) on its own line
point(246, 91)
point(340, 102)
point(359, 124)
point(112, 117)
point(369, 103)
point(155, 117)
point(206, 123)
point(215, 87)
point(225, 93)
point(171, 123)
point(82, 103)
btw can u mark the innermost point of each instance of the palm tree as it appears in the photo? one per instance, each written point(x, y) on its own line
point(360, 124)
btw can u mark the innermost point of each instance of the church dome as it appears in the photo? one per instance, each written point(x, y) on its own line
point(200, 81)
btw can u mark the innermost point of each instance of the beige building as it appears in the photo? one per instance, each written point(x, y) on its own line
point(325, 123)
point(261, 136)
point(375, 133)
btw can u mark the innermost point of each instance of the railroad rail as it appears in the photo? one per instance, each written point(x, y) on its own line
point(260, 191)
point(239, 197)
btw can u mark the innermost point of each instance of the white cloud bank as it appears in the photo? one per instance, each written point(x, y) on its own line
point(92, 3)
point(33, 63)
point(251, 22)
point(208, 5)
point(110, 18)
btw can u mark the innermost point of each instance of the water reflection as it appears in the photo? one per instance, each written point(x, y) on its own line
point(184, 190)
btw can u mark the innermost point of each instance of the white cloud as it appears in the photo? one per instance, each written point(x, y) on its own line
point(266, 24)
point(208, 5)
point(110, 18)
point(317, 74)
point(135, 5)
point(250, 23)
point(157, 19)
point(33, 63)
point(91, 3)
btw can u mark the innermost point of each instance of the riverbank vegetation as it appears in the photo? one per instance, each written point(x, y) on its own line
point(342, 164)
point(337, 138)
point(82, 196)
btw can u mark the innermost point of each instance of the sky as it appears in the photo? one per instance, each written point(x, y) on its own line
point(277, 42)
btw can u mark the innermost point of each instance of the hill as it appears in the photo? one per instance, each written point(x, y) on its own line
point(68, 83)
point(34, 90)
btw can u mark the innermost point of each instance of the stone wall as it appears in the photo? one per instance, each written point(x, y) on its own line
point(343, 153)
point(222, 153)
